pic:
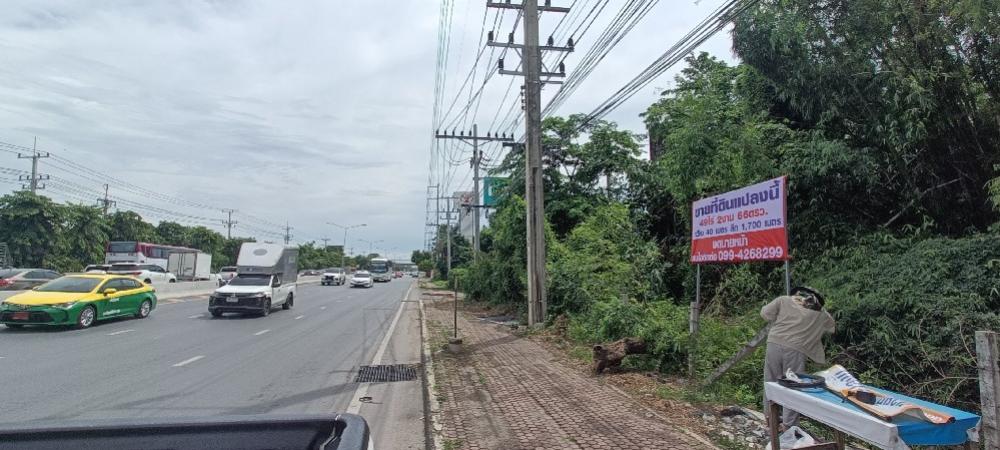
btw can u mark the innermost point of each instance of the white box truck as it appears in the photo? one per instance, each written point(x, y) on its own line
point(265, 277)
point(190, 266)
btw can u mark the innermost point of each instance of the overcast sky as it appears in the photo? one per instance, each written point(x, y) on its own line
point(306, 111)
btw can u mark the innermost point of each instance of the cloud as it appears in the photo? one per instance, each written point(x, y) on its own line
point(308, 111)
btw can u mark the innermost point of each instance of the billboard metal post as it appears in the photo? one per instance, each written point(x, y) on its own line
point(694, 320)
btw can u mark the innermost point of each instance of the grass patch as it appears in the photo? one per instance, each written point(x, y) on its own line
point(451, 444)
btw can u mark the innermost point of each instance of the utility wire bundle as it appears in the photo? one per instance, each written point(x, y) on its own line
point(704, 30)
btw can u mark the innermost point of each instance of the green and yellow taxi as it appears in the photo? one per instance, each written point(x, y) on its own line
point(79, 300)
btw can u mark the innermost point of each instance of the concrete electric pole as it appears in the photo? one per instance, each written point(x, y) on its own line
point(106, 202)
point(473, 139)
point(288, 233)
point(34, 178)
point(229, 222)
point(531, 61)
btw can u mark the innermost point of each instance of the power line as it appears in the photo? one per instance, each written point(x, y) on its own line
point(702, 32)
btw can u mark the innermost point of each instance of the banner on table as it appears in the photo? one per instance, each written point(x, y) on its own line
point(748, 224)
point(880, 404)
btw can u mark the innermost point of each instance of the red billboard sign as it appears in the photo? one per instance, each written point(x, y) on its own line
point(748, 224)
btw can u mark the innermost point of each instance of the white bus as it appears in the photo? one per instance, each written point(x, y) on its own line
point(140, 253)
point(381, 269)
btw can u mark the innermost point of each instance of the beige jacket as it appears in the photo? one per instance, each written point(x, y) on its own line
point(797, 327)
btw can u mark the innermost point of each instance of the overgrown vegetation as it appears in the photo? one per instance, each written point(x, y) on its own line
point(67, 237)
point(882, 114)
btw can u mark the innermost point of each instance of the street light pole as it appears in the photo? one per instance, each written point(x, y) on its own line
point(343, 250)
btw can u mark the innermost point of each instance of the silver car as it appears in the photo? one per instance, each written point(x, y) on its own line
point(23, 279)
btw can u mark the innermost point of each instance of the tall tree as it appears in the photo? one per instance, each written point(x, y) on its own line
point(82, 239)
point(129, 226)
point(30, 225)
point(914, 83)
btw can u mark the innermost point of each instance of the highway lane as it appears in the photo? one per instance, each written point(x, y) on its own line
point(181, 362)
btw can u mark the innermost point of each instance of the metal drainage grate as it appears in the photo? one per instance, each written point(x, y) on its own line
point(387, 373)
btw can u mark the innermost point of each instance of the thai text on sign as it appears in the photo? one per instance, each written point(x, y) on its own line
point(747, 224)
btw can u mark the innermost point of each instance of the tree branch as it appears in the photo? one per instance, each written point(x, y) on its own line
point(914, 201)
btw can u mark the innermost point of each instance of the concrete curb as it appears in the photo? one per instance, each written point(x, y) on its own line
point(434, 416)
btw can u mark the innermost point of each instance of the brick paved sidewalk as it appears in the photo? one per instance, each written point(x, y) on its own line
point(507, 392)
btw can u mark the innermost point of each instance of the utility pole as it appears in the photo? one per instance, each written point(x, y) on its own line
point(325, 242)
point(34, 178)
point(106, 202)
point(448, 230)
point(229, 223)
point(288, 233)
point(473, 139)
point(531, 61)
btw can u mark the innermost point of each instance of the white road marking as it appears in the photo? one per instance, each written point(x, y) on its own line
point(322, 307)
point(260, 332)
point(362, 390)
point(195, 316)
point(120, 332)
point(299, 317)
point(189, 361)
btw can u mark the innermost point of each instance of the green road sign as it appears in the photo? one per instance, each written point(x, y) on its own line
point(492, 189)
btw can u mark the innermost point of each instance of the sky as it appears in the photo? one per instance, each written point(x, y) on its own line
point(306, 112)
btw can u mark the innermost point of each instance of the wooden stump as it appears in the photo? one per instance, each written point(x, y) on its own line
point(609, 356)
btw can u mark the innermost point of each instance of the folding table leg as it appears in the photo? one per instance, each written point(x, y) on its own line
point(773, 419)
point(841, 441)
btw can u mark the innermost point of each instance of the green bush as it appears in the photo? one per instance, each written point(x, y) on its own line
point(907, 311)
point(603, 258)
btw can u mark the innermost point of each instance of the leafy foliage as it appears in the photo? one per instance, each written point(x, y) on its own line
point(907, 310)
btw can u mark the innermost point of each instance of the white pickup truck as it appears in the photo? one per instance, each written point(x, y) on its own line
point(265, 277)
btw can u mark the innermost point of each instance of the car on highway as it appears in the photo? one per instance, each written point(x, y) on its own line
point(97, 268)
point(23, 279)
point(398, 274)
point(362, 278)
point(333, 276)
point(79, 300)
point(147, 273)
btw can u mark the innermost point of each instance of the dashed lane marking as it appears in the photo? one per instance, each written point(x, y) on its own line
point(299, 317)
point(260, 332)
point(116, 333)
point(188, 361)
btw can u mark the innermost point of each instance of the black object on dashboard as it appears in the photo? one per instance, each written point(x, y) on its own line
point(281, 432)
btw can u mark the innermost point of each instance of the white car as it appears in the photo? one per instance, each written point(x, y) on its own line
point(148, 273)
point(334, 276)
point(97, 268)
point(362, 278)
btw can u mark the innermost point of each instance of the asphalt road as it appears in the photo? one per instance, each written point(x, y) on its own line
point(180, 362)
